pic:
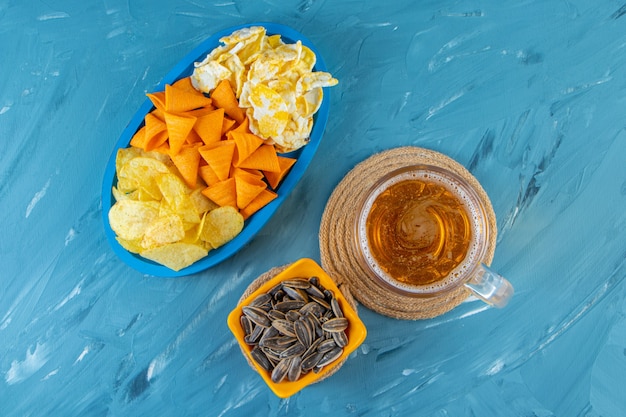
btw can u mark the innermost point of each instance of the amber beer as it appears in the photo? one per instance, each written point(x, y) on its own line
point(420, 230)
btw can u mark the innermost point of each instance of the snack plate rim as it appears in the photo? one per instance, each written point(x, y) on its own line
point(302, 267)
point(256, 222)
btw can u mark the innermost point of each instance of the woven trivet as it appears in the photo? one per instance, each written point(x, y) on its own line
point(262, 279)
point(337, 229)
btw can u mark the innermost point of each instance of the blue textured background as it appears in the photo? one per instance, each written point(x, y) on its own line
point(529, 95)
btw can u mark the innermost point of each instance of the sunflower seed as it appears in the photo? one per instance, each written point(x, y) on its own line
point(304, 333)
point(285, 327)
point(260, 358)
point(293, 315)
point(335, 307)
point(257, 315)
point(314, 291)
point(254, 337)
point(340, 338)
point(261, 299)
point(280, 371)
point(296, 294)
point(287, 305)
point(295, 368)
point(293, 350)
point(322, 302)
point(275, 314)
point(326, 345)
point(338, 324)
point(297, 283)
point(309, 362)
point(330, 356)
point(246, 325)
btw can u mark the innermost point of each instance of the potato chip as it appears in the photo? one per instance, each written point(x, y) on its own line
point(221, 225)
point(177, 255)
point(129, 219)
point(140, 172)
point(133, 246)
point(176, 195)
point(164, 229)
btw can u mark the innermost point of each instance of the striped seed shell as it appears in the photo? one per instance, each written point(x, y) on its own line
point(330, 356)
point(257, 315)
point(309, 362)
point(287, 305)
point(260, 358)
point(304, 332)
point(301, 283)
point(340, 338)
point(337, 324)
point(285, 327)
point(334, 305)
point(280, 370)
point(294, 350)
point(295, 368)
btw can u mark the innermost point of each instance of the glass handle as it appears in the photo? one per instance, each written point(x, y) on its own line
point(490, 287)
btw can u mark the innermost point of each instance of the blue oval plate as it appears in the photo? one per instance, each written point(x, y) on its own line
point(252, 225)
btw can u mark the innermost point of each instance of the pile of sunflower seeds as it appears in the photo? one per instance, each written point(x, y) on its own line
point(296, 327)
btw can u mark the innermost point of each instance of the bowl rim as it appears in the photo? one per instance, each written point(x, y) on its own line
point(256, 222)
point(304, 267)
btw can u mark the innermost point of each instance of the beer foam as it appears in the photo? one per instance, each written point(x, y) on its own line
point(472, 204)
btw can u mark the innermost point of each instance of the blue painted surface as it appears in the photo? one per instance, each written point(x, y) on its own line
point(530, 96)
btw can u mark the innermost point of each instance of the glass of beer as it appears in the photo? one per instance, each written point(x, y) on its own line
point(423, 231)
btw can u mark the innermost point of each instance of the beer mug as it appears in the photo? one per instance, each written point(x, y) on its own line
point(423, 231)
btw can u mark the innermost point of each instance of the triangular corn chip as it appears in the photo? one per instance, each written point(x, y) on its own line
point(219, 155)
point(259, 202)
point(264, 158)
point(246, 144)
point(227, 125)
point(223, 193)
point(209, 126)
point(178, 100)
point(223, 97)
point(208, 175)
point(247, 190)
point(178, 127)
point(274, 178)
point(156, 141)
point(193, 137)
point(158, 99)
point(187, 160)
point(185, 84)
point(139, 138)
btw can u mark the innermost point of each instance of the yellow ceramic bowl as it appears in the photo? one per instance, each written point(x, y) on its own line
point(356, 331)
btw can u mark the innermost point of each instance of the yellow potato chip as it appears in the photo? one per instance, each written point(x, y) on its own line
point(133, 246)
point(201, 202)
point(140, 172)
point(164, 229)
point(221, 225)
point(177, 255)
point(176, 195)
point(130, 218)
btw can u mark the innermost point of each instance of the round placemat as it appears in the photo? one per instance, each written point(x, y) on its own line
point(263, 278)
point(337, 250)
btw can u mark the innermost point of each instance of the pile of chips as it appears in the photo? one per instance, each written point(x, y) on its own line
point(273, 81)
point(159, 217)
